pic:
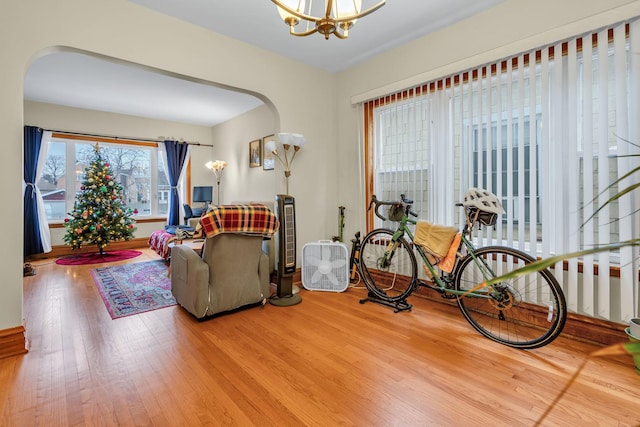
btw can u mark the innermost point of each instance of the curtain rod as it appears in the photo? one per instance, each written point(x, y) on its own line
point(159, 139)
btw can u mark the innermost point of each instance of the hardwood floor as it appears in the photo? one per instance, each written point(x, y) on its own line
point(327, 361)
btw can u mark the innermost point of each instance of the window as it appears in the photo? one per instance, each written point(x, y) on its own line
point(524, 171)
point(137, 167)
point(546, 132)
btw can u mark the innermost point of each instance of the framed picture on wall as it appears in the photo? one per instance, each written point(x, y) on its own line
point(255, 154)
point(268, 159)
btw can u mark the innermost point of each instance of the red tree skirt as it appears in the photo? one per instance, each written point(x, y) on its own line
point(96, 258)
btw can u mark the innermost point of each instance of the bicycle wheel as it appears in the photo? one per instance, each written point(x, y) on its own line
point(526, 312)
point(389, 279)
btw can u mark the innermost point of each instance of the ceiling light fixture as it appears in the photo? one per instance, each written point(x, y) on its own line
point(340, 15)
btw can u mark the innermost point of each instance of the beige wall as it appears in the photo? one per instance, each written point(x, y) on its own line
point(326, 174)
point(239, 181)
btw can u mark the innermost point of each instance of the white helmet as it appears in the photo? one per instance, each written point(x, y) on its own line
point(483, 200)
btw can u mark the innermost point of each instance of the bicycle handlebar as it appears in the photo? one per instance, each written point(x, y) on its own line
point(404, 202)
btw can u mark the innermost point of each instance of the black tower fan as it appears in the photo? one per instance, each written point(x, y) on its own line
point(286, 211)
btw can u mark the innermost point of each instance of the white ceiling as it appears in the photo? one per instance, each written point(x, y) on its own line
point(81, 81)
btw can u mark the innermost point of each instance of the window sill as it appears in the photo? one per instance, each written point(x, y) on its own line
point(140, 220)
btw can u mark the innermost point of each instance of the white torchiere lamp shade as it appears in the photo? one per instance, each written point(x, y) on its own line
point(287, 140)
point(217, 167)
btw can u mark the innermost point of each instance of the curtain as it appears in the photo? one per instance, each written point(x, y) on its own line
point(36, 228)
point(177, 155)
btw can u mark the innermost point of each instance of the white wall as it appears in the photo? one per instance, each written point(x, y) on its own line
point(125, 31)
point(508, 28)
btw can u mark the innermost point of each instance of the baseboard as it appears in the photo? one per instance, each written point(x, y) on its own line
point(13, 342)
point(589, 329)
point(63, 250)
point(578, 326)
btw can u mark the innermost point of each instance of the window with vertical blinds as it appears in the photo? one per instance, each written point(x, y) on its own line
point(547, 131)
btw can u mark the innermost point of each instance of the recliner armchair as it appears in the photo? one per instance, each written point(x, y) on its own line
point(233, 271)
point(268, 245)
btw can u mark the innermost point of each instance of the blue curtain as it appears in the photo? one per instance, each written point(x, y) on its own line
point(32, 142)
point(176, 156)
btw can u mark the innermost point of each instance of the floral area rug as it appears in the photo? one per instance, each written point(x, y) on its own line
point(130, 289)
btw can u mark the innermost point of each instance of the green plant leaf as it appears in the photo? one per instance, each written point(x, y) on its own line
point(631, 347)
point(616, 196)
point(548, 262)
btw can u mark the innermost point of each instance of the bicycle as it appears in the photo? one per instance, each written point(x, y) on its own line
point(526, 312)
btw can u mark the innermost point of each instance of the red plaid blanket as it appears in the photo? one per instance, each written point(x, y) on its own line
point(159, 242)
point(245, 219)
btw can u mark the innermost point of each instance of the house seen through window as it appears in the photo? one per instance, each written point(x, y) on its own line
point(136, 167)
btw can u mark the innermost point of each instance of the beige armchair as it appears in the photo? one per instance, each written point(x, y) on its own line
point(268, 244)
point(233, 271)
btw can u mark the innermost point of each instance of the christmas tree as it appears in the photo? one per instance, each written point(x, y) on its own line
point(99, 214)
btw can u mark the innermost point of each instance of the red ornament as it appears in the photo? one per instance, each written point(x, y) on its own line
point(106, 164)
point(82, 188)
point(107, 177)
point(135, 211)
point(66, 220)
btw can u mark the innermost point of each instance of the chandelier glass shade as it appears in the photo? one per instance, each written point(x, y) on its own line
point(339, 16)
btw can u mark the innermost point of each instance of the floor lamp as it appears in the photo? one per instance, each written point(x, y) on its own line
point(291, 144)
point(217, 167)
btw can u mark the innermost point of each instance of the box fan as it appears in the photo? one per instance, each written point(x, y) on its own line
point(325, 266)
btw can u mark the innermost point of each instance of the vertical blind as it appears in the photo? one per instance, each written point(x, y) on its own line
point(548, 131)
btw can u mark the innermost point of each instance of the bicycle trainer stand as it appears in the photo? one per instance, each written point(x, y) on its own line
point(398, 306)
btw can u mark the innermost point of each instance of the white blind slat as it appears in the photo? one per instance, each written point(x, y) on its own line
point(572, 171)
point(603, 220)
point(588, 305)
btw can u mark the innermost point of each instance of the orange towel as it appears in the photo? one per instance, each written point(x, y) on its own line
point(449, 260)
point(435, 239)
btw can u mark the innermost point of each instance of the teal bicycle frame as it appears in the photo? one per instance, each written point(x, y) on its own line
point(443, 283)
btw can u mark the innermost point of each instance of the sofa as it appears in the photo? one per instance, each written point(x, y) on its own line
point(233, 271)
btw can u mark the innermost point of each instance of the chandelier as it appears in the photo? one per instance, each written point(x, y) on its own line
point(339, 16)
